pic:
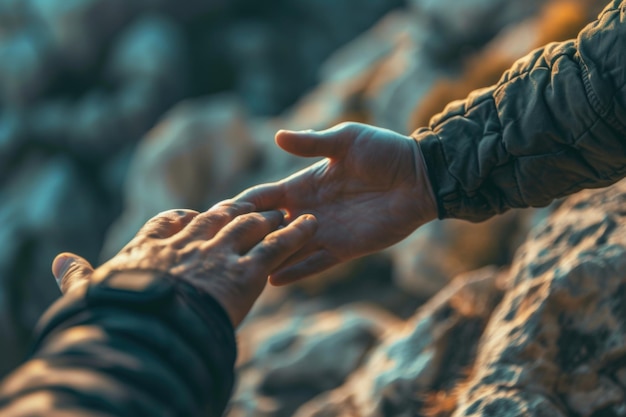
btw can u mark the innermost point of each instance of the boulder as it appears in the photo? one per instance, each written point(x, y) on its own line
point(459, 28)
point(46, 208)
point(27, 66)
point(432, 256)
point(419, 357)
point(193, 158)
point(80, 29)
point(152, 47)
point(556, 345)
point(285, 361)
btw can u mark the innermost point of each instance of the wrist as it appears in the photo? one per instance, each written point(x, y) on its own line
point(424, 190)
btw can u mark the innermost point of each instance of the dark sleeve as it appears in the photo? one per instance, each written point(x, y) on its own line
point(554, 124)
point(134, 344)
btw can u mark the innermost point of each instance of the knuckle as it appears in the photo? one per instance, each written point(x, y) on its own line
point(169, 217)
point(210, 218)
point(233, 208)
point(206, 220)
point(249, 220)
point(155, 227)
point(75, 271)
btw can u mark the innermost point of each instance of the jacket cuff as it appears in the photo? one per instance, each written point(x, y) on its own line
point(453, 201)
point(436, 166)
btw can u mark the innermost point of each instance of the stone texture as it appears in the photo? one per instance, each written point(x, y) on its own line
point(26, 66)
point(557, 342)
point(435, 254)
point(418, 357)
point(294, 359)
point(79, 29)
point(454, 23)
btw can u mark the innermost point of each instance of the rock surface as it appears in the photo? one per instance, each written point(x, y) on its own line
point(556, 344)
point(418, 357)
point(45, 207)
point(293, 360)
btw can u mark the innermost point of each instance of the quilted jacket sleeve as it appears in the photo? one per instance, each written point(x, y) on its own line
point(134, 344)
point(554, 124)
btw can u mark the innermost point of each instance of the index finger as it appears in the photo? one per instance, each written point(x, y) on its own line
point(264, 197)
point(278, 246)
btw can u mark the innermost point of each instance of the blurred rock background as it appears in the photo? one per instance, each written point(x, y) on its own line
point(114, 110)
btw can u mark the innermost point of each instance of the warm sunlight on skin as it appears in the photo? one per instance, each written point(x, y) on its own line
point(33, 404)
point(34, 367)
point(77, 334)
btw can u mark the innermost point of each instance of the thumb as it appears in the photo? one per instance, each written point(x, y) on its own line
point(331, 143)
point(69, 270)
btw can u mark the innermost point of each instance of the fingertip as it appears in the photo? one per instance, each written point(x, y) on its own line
point(282, 138)
point(285, 276)
point(288, 132)
point(276, 217)
point(308, 218)
point(308, 222)
point(315, 263)
point(311, 143)
point(276, 281)
point(263, 197)
point(296, 142)
point(61, 264)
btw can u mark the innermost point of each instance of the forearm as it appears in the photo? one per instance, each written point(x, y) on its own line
point(153, 347)
point(554, 124)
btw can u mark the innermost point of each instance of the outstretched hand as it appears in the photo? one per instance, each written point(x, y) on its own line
point(227, 252)
point(370, 192)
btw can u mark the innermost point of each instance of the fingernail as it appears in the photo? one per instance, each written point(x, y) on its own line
point(60, 267)
point(309, 219)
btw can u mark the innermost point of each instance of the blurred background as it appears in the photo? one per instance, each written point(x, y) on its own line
point(114, 110)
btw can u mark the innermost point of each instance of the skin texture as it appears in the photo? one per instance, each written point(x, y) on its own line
point(369, 192)
point(227, 251)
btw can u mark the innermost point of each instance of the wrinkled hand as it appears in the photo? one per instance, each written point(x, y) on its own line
point(370, 192)
point(227, 251)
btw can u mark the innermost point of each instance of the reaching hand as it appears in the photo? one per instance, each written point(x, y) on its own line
point(370, 192)
point(227, 251)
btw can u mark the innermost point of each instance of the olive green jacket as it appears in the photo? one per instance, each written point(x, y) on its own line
point(554, 124)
